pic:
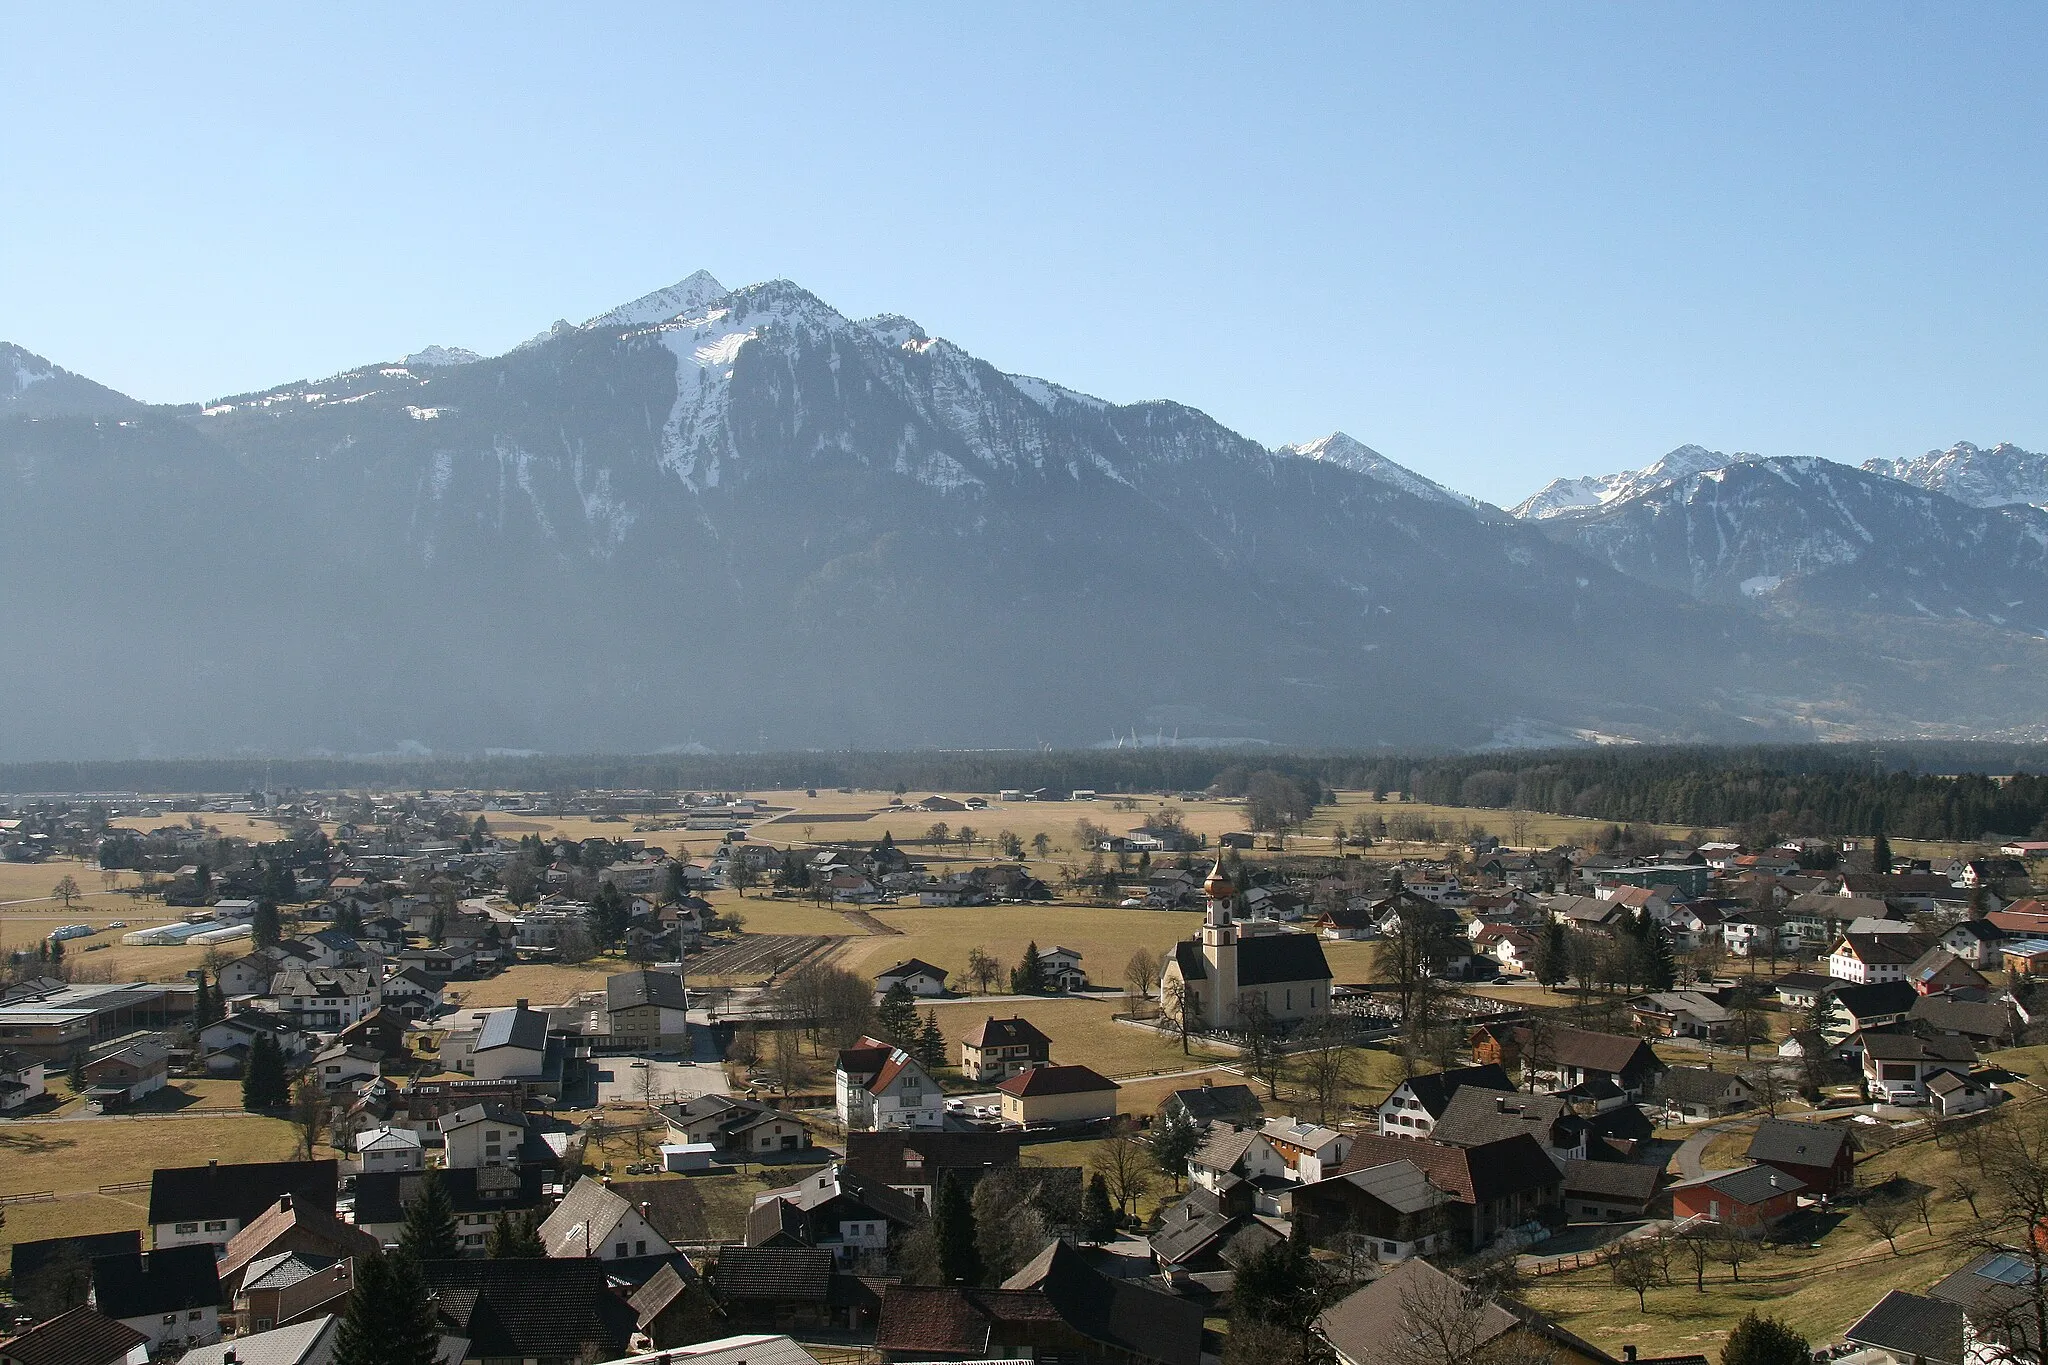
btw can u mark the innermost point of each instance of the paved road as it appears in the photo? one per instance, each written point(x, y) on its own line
point(1695, 1145)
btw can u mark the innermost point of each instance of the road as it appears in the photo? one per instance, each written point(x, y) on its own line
point(1695, 1145)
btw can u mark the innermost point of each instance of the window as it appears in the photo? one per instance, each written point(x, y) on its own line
point(263, 1324)
point(217, 1225)
point(170, 1319)
point(195, 1315)
point(185, 1227)
point(640, 1248)
point(619, 1250)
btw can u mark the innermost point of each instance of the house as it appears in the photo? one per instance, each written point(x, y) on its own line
point(512, 1044)
point(1564, 1058)
point(1749, 1200)
point(1051, 1094)
point(21, 1080)
point(79, 1337)
point(799, 1287)
point(2024, 956)
point(1217, 974)
point(1802, 990)
point(1307, 1151)
point(60, 1268)
point(241, 1029)
point(342, 1066)
point(915, 1163)
point(1974, 941)
point(595, 1221)
point(996, 1048)
point(1821, 1156)
point(1938, 970)
point(673, 1308)
point(1209, 1103)
point(1492, 1187)
point(481, 1136)
point(1349, 923)
point(647, 1011)
point(1389, 1211)
point(1610, 1191)
point(1586, 914)
point(412, 993)
point(480, 1197)
point(1376, 1322)
point(1062, 969)
point(1680, 1014)
point(1234, 1157)
point(310, 1342)
point(1871, 959)
point(1988, 1024)
point(834, 1209)
point(916, 976)
point(1858, 1009)
point(324, 998)
point(1952, 1094)
point(1695, 1094)
point(1476, 1117)
point(284, 1227)
point(171, 1295)
point(1997, 1291)
point(1897, 1066)
point(1912, 1329)
point(1057, 1307)
point(289, 1289)
point(1207, 1232)
point(546, 1311)
point(387, 1148)
point(128, 1071)
point(735, 1127)
point(1412, 1108)
point(209, 1204)
point(882, 1087)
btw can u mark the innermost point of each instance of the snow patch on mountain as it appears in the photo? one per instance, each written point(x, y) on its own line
point(1348, 453)
point(686, 296)
point(441, 356)
point(1049, 395)
point(2003, 476)
point(1561, 497)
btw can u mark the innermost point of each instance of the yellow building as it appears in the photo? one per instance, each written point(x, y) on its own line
point(1220, 973)
point(1057, 1094)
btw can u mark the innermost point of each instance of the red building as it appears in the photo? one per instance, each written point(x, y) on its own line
point(1748, 1200)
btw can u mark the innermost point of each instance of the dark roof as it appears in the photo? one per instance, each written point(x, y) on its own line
point(1752, 1184)
point(1475, 1117)
point(627, 989)
point(662, 1289)
point(886, 1157)
point(912, 967)
point(381, 1196)
point(1056, 1080)
point(1472, 1175)
point(1883, 997)
point(1013, 1032)
point(539, 1307)
point(186, 1194)
point(79, 1337)
point(1805, 981)
point(773, 1272)
point(1434, 1089)
point(1785, 1142)
point(1187, 954)
point(1996, 1291)
point(921, 1321)
point(1207, 1103)
point(514, 1027)
point(1400, 1185)
point(1699, 1084)
point(1632, 1180)
point(1971, 1018)
point(1912, 1326)
point(1590, 1050)
point(146, 1283)
point(777, 1223)
point(1890, 950)
point(1271, 959)
point(31, 1257)
point(1121, 1313)
point(1906, 1047)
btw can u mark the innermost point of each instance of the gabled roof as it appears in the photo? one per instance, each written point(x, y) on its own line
point(310, 1342)
point(911, 967)
point(79, 1337)
point(1700, 1085)
point(560, 1307)
point(1207, 1103)
point(1121, 1313)
point(1472, 1175)
point(1400, 1185)
point(381, 1196)
point(1434, 1089)
point(31, 1257)
point(514, 1027)
point(1594, 1051)
point(1056, 1080)
point(662, 1289)
point(1372, 1323)
point(1272, 959)
point(1752, 1185)
point(625, 990)
point(1013, 1032)
point(1906, 1047)
point(149, 1283)
point(1225, 1148)
point(1877, 999)
point(1631, 1180)
point(1786, 1142)
point(888, 1157)
point(1883, 950)
point(184, 1194)
point(306, 1226)
point(584, 1218)
point(1913, 1327)
point(776, 1274)
point(1187, 955)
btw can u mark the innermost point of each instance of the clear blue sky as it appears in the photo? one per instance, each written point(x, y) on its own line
point(1496, 243)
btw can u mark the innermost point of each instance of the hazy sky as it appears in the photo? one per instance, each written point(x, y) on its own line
point(1495, 243)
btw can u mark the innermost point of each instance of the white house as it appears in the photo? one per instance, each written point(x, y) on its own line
point(325, 998)
point(1062, 969)
point(481, 1136)
point(389, 1149)
point(919, 978)
point(1897, 1067)
point(510, 1044)
point(21, 1080)
point(594, 1221)
point(338, 1066)
point(1308, 1151)
point(879, 1087)
point(1868, 959)
point(234, 912)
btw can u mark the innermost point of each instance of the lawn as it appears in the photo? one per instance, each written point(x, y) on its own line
point(541, 983)
point(1105, 938)
point(1082, 1032)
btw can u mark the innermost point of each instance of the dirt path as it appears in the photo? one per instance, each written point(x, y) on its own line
point(869, 924)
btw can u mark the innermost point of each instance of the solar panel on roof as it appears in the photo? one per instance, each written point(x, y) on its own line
point(2006, 1270)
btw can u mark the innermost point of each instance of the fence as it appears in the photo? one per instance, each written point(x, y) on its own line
point(38, 1197)
point(125, 1187)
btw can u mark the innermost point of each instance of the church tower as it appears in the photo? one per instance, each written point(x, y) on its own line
point(1219, 947)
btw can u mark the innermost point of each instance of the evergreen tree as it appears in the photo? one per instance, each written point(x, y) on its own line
point(429, 1233)
point(1765, 1341)
point(1880, 865)
point(897, 1018)
point(1028, 976)
point(264, 929)
point(610, 915)
point(931, 1043)
point(1174, 1140)
point(1553, 955)
point(1098, 1215)
point(516, 1236)
point(953, 1220)
point(390, 1318)
point(264, 1085)
point(1659, 966)
point(206, 1003)
point(348, 919)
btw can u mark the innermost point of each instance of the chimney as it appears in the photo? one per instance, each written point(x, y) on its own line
point(520, 1003)
point(1628, 1354)
point(213, 1161)
point(284, 1201)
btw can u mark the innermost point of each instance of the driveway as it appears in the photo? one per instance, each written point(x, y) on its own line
point(1695, 1145)
point(627, 1079)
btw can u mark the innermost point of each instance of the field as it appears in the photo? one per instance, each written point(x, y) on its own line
point(1082, 1032)
point(74, 1158)
point(943, 936)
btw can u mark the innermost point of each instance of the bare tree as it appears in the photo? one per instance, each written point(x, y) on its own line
point(1885, 1215)
point(309, 1113)
point(1325, 1065)
point(1770, 1088)
point(1964, 1187)
point(1697, 1245)
point(1141, 974)
point(1125, 1165)
point(66, 890)
point(1731, 1248)
point(983, 969)
point(1635, 1268)
point(1261, 1035)
point(1177, 1007)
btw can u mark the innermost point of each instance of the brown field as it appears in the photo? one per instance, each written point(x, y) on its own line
point(1105, 938)
point(1083, 1033)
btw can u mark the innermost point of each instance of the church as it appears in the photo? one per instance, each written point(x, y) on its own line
point(1219, 969)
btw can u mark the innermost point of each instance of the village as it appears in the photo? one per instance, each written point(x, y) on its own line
point(867, 1076)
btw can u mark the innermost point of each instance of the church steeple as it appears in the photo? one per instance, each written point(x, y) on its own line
point(1218, 925)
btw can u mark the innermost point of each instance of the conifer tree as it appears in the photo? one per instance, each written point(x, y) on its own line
point(390, 1318)
point(264, 929)
point(264, 1085)
point(1098, 1217)
point(429, 1233)
point(953, 1220)
point(1880, 858)
point(897, 1017)
point(206, 1003)
point(931, 1043)
point(515, 1236)
point(1028, 976)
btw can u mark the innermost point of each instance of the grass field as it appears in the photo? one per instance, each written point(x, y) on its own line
point(1083, 1033)
point(1105, 938)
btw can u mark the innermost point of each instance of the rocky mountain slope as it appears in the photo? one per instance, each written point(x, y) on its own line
point(1340, 449)
point(31, 386)
point(741, 519)
point(1998, 477)
point(1565, 497)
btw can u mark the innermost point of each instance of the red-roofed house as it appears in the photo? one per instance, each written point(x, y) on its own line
point(880, 1087)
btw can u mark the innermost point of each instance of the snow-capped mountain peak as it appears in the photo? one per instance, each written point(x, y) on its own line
point(689, 295)
point(2002, 476)
point(1349, 453)
point(434, 357)
point(1560, 497)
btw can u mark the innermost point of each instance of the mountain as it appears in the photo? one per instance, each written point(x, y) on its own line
point(1565, 497)
point(1339, 449)
point(1827, 536)
point(31, 386)
point(740, 519)
point(1998, 477)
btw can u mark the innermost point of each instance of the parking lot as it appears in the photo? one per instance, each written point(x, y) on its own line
point(628, 1079)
